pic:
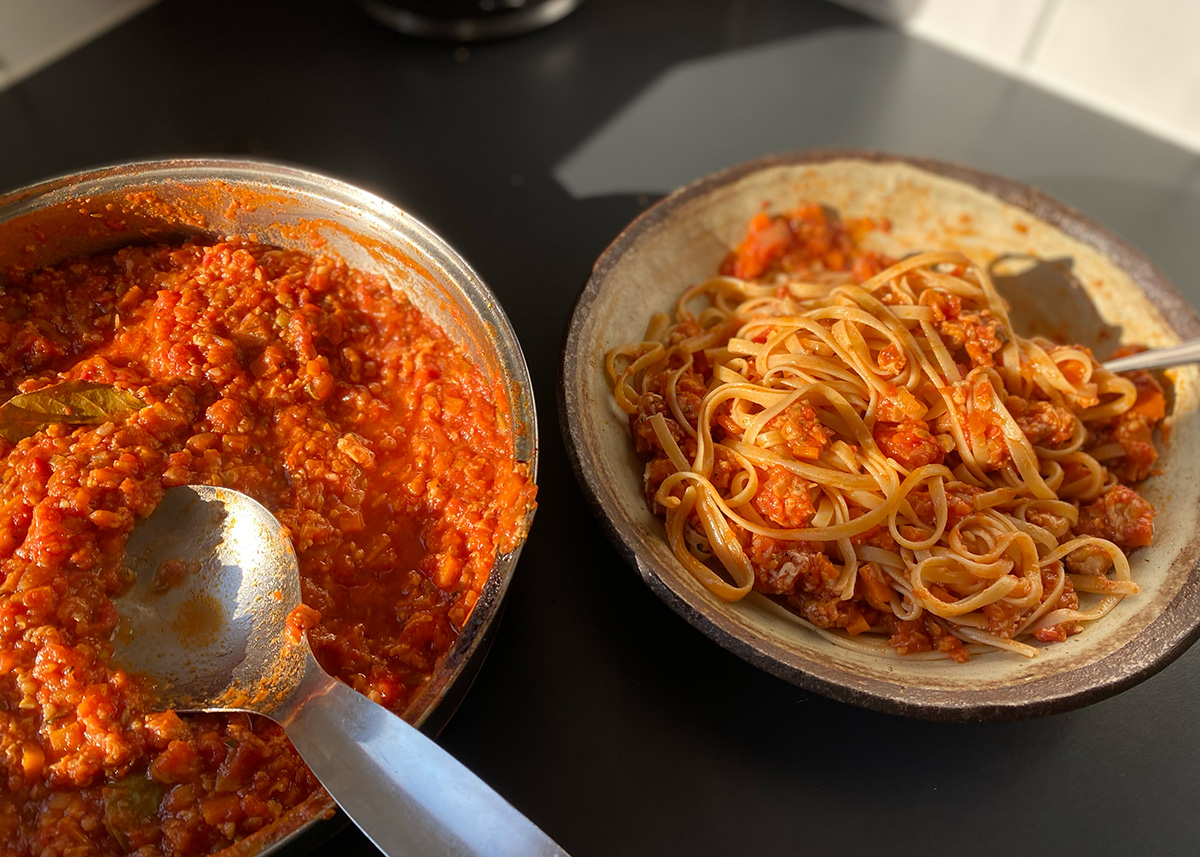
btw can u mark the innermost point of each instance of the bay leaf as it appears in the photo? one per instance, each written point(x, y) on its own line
point(76, 403)
point(128, 803)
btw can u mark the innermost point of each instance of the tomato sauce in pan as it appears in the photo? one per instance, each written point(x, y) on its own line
point(316, 389)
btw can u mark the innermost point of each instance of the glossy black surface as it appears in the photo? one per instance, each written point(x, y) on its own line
point(599, 713)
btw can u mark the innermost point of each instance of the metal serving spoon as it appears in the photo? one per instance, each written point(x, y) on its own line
point(206, 621)
point(1158, 358)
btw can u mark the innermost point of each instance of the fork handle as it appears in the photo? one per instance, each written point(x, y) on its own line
point(1158, 358)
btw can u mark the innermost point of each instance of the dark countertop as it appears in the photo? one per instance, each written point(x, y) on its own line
point(602, 715)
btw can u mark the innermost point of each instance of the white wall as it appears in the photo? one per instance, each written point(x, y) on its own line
point(34, 33)
point(1137, 60)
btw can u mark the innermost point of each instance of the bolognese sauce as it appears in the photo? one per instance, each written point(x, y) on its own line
point(869, 444)
point(311, 386)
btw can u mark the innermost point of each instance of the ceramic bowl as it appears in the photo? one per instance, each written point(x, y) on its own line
point(107, 208)
point(1065, 276)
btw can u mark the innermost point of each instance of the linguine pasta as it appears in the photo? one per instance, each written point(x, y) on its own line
point(887, 461)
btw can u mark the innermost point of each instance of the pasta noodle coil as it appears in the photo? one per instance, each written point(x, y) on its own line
point(887, 460)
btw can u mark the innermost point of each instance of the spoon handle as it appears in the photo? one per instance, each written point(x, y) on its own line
point(1158, 358)
point(407, 794)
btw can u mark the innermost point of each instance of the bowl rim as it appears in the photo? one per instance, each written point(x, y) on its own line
point(1163, 639)
point(356, 208)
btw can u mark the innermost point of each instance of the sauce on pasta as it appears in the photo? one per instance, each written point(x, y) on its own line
point(868, 444)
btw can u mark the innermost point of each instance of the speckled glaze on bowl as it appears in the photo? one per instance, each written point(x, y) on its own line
point(107, 208)
point(1090, 287)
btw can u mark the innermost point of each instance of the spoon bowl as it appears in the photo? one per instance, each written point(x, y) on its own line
point(215, 582)
point(208, 622)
